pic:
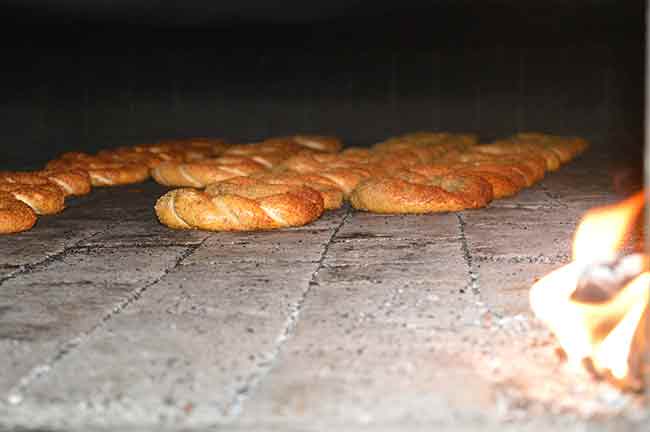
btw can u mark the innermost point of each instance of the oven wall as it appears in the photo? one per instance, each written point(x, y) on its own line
point(492, 70)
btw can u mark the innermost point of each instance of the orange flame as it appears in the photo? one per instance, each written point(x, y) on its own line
point(602, 230)
point(600, 332)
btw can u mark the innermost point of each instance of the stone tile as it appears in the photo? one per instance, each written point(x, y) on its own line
point(136, 202)
point(385, 376)
point(353, 306)
point(368, 225)
point(369, 345)
point(505, 286)
point(530, 198)
point(378, 273)
point(346, 250)
point(331, 219)
point(48, 238)
point(519, 234)
point(7, 271)
point(283, 245)
point(198, 286)
point(373, 354)
point(147, 232)
point(572, 185)
point(50, 306)
point(193, 340)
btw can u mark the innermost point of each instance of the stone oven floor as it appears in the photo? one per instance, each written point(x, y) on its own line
point(358, 322)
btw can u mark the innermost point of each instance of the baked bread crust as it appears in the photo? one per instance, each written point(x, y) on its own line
point(101, 171)
point(330, 192)
point(42, 199)
point(15, 216)
point(201, 173)
point(71, 182)
point(407, 191)
point(236, 207)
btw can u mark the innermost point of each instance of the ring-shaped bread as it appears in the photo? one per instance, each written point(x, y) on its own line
point(199, 174)
point(15, 216)
point(236, 207)
point(43, 199)
point(407, 191)
point(71, 182)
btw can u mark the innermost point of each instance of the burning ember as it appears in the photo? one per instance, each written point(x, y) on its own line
point(597, 306)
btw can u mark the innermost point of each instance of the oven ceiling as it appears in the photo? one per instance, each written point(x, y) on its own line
point(210, 12)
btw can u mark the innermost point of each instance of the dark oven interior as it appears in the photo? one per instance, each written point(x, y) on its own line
point(84, 77)
point(358, 321)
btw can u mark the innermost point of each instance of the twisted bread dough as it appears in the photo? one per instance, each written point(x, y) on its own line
point(15, 216)
point(237, 160)
point(268, 156)
point(320, 143)
point(343, 169)
point(71, 182)
point(185, 149)
point(294, 143)
point(411, 140)
point(502, 185)
point(521, 171)
point(165, 151)
point(310, 162)
point(359, 155)
point(101, 172)
point(131, 156)
point(436, 143)
point(566, 148)
point(407, 191)
point(531, 168)
point(329, 190)
point(199, 174)
point(42, 199)
point(522, 150)
point(347, 179)
point(236, 207)
point(273, 151)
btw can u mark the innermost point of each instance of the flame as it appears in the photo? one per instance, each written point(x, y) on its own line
point(607, 355)
point(599, 332)
point(602, 230)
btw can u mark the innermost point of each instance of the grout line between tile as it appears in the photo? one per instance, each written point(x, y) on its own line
point(473, 284)
point(253, 381)
point(30, 267)
point(16, 394)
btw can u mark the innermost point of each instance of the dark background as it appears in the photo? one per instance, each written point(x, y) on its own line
point(85, 75)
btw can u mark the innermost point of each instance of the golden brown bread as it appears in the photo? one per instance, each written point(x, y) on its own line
point(199, 174)
point(329, 190)
point(511, 148)
point(235, 207)
point(565, 147)
point(15, 216)
point(237, 160)
point(71, 182)
point(268, 156)
point(503, 184)
point(408, 191)
point(101, 171)
point(184, 149)
point(43, 199)
point(310, 162)
point(319, 143)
